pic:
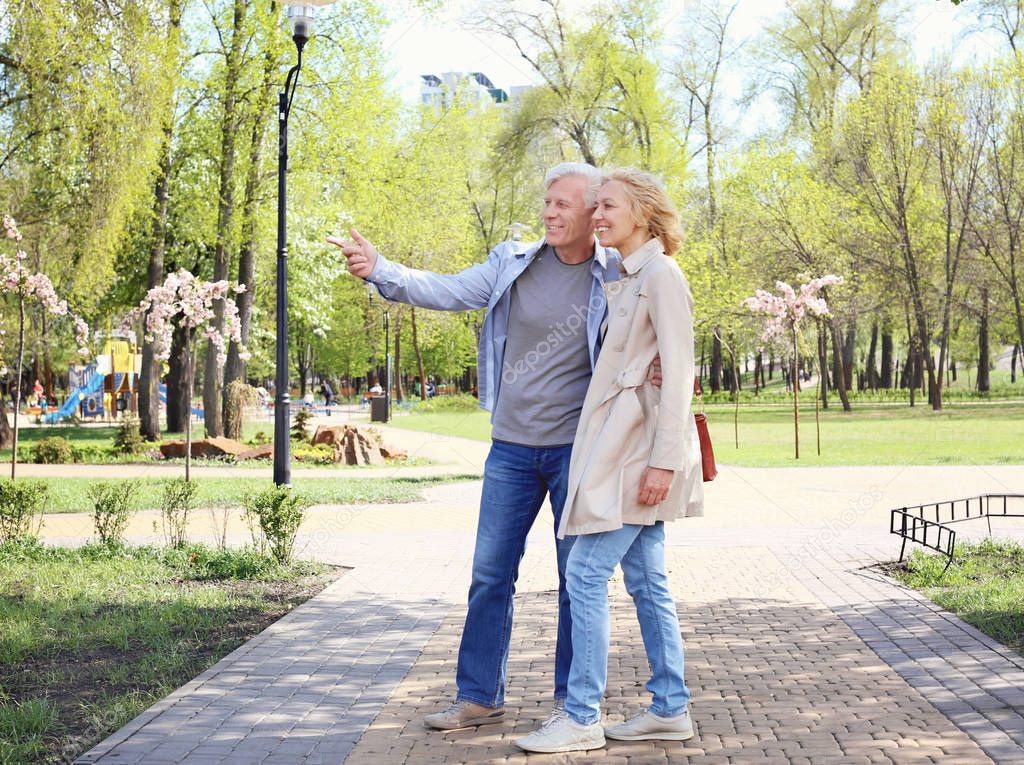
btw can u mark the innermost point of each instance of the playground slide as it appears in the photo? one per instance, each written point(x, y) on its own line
point(94, 385)
point(196, 411)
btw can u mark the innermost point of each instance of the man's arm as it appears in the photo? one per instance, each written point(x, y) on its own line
point(470, 288)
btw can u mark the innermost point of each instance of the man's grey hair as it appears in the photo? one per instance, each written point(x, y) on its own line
point(581, 169)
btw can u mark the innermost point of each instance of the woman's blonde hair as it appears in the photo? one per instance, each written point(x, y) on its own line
point(649, 205)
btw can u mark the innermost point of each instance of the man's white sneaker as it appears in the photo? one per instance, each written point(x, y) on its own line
point(561, 734)
point(648, 726)
point(463, 714)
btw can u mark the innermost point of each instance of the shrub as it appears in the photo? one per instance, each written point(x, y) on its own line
point(260, 438)
point(55, 450)
point(277, 513)
point(300, 425)
point(112, 508)
point(461, 402)
point(179, 498)
point(22, 504)
point(128, 439)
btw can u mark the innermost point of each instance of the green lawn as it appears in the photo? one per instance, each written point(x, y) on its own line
point(68, 495)
point(984, 587)
point(870, 435)
point(91, 637)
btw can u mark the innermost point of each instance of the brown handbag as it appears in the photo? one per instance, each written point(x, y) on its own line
point(707, 453)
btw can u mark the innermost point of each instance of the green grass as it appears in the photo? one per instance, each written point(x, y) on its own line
point(68, 495)
point(984, 587)
point(869, 435)
point(90, 637)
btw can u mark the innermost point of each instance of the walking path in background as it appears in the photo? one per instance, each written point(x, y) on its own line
point(797, 651)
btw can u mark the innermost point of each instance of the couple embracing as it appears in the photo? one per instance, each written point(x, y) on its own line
point(586, 363)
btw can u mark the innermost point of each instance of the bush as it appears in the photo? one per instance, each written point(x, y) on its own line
point(260, 438)
point(277, 513)
point(55, 450)
point(92, 453)
point(22, 504)
point(112, 509)
point(300, 425)
point(129, 438)
point(319, 454)
point(179, 498)
point(461, 402)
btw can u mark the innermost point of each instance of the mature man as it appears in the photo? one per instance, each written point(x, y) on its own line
point(540, 338)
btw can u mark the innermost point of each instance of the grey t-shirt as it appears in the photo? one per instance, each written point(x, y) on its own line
point(546, 369)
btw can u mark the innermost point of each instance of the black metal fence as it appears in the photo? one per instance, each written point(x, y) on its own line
point(930, 525)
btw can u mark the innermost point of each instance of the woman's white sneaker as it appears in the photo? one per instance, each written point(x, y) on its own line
point(649, 726)
point(561, 734)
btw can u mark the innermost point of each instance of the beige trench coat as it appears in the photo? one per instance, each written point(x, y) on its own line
point(627, 424)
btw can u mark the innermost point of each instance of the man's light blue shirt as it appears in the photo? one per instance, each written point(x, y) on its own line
point(488, 285)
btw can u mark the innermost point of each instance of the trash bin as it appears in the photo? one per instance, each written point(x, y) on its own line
point(379, 409)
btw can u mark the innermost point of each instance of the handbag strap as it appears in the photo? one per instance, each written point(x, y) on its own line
point(698, 393)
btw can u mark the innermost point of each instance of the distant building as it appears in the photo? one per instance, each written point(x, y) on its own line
point(434, 89)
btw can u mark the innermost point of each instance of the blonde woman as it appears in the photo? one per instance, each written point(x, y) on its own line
point(635, 464)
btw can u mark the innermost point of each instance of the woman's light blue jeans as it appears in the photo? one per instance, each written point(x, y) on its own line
point(641, 551)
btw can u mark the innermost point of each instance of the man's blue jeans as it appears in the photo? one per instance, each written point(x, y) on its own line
point(641, 550)
point(516, 480)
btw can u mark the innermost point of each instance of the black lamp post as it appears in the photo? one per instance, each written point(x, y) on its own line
point(300, 22)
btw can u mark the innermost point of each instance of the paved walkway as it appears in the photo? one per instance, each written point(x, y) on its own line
point(796, 651)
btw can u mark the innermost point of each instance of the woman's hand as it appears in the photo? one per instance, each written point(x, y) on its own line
point(654, 485)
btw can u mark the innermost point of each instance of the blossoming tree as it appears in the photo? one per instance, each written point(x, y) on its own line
point(784, 312)
point(188, 303)
point(18, 280)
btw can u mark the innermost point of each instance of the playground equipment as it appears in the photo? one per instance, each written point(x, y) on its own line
point(108, 385)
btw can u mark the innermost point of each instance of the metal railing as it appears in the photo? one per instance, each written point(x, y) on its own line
point(929, 525)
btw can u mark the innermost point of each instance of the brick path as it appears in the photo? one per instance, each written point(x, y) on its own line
point(796, 653)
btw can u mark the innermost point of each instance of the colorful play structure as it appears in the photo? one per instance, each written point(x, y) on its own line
point(105, 388)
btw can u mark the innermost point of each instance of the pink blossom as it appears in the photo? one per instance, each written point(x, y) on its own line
point(787, 309)
point(16, 278)
point(188, 302)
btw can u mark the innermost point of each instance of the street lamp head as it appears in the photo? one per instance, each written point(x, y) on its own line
point(300, 18)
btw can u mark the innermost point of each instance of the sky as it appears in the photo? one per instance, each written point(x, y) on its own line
point(421, 43)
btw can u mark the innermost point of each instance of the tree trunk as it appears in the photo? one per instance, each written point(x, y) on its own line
point(225, 216)
point(837, 358)
point(17, 388)
point(235, 367)
point(716, 363)
point(178, 404)
point(871, 371)
point(47, 365)
point(849, 347)
point(983, 348)
point(419, 356)
point(398, 358)
point(6, 434)
point(823, 364)
point(149, 378)
point(886, 374)
point(796, 403)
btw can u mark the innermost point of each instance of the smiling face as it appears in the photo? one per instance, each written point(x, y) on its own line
point(568, 221)
point(613, 219)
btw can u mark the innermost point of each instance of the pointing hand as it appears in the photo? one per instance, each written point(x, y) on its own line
point(360, 254)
